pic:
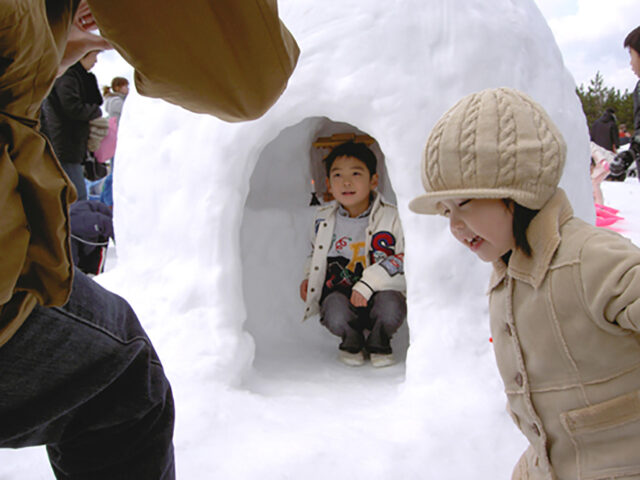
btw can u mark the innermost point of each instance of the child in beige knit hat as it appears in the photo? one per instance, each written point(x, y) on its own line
point(564, 295)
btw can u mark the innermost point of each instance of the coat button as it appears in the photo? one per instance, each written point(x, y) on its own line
point(507, 328)
point(316, 268)
point(324, 224)
point(519, 379)
point(313, 290)
point(320, 247)
point(535, 429)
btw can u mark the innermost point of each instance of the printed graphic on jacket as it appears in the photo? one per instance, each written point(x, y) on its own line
point(345, 264)
point(340, 277)
point(393, 264)
point(382, 252)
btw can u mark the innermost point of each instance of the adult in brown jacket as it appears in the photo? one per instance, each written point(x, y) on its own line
point(78, 372)
point(564, 295)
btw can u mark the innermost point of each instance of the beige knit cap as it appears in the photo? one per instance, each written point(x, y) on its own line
point(497, 143)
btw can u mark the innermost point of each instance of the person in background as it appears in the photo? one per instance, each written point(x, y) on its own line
point(626, 158)
point(354, 275)
point(115, 95)
point(78, 372)
point(564, 295)
point(623, 134)
point(632, 43)
point(74, 101)
point(604, 131)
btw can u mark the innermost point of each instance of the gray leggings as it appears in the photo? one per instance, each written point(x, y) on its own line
point(382, 317)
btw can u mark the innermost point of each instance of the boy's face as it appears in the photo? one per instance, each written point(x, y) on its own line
point(484, 225)
point(351, 183)
point(635, 61)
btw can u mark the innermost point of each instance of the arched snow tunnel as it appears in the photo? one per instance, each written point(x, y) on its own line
point(275, 236)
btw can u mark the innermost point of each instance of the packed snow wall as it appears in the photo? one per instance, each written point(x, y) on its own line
point(275, 241)
point(183, 179)
point(189, 189)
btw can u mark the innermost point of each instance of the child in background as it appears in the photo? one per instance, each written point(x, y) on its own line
point(354, 276)
point(564, 295)
point(114, 99)
point(115, 95)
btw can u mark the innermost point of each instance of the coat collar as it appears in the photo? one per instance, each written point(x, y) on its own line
point(374, 205)
point(543, 235)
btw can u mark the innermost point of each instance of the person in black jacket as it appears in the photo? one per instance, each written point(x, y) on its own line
point(604, 131)
point(74, 100)
point(632, 42)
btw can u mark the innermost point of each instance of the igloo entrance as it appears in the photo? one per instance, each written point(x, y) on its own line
point(274, 245)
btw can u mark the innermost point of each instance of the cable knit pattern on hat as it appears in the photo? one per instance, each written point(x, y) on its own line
point(467, 147)
point(550, 149)
point(506, 142)
point(497, 143)
point(432, 170)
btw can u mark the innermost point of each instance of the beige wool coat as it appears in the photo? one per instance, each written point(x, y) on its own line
point(228, 58)
point(565, 325)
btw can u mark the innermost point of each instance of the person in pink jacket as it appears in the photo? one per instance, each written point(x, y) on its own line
point(564, 299)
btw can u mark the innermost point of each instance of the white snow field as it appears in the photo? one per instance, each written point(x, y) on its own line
point(212, 225)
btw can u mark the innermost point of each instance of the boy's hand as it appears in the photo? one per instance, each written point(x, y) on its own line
point(357, 299)
point(303, 289)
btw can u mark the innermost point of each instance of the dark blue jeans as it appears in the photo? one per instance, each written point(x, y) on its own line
point(75, 172)
point(85, 381)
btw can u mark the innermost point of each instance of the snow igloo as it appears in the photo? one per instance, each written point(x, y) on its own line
point(212, 223)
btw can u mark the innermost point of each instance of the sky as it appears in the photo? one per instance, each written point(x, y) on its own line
point(590, 34)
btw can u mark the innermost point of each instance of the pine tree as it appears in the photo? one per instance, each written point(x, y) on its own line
point(596, 98)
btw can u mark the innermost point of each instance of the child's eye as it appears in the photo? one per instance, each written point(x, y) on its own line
point(445, 212)
point(464, 202)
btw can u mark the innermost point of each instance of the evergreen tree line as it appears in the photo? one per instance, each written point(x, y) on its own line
point(596, 98)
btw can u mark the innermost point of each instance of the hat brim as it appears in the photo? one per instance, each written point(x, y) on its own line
point(427, 204)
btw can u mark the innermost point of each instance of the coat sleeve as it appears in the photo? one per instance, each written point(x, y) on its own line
point(229, 58)
point(610, 275)
point(387, 274)
point(307, 263)
point(72, 106)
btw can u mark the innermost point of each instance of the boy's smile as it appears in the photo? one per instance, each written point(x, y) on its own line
point(482, 224)
point(351, 183)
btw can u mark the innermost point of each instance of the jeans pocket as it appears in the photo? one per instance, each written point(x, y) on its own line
point(606, 437)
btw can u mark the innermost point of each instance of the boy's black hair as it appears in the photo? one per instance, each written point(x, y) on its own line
point(633, 40)
point(522, 217)
point(352, 149)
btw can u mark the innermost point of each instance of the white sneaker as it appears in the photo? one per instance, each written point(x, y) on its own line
point(352, 359)
point(380, 360)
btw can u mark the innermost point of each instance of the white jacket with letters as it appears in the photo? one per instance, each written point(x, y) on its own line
point(384, 253)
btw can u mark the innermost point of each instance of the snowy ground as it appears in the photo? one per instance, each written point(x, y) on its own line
point(301, 414)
